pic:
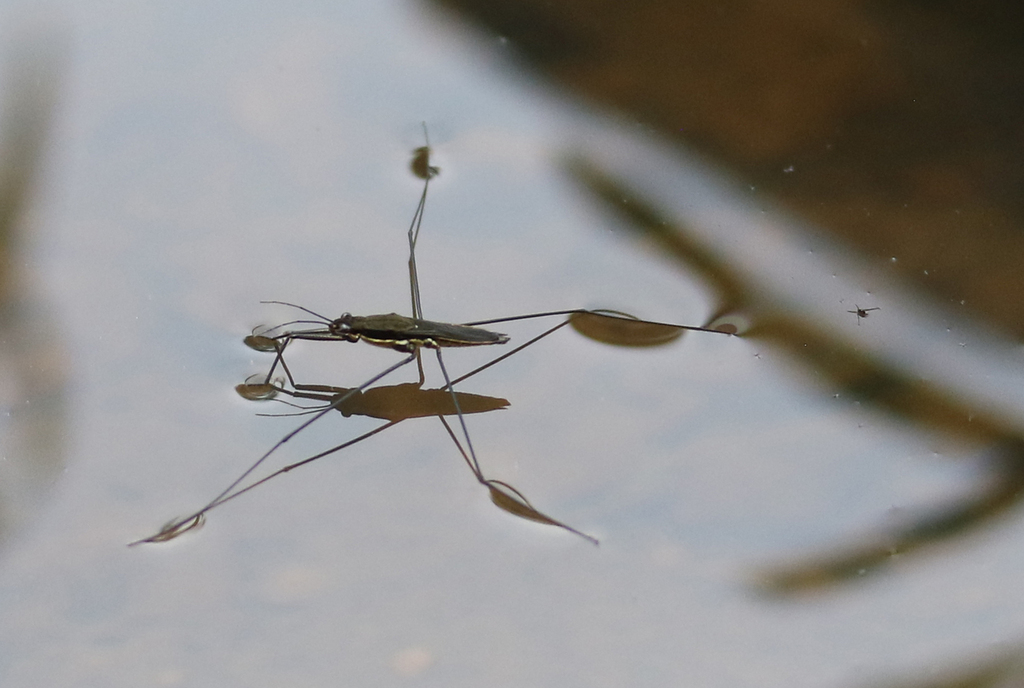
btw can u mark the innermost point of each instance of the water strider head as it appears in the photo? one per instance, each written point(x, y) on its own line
point(343, 326)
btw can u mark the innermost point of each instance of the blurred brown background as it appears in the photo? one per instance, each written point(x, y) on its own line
point(894, 126)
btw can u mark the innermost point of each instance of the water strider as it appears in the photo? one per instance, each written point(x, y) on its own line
point(396, 403)
point(862, 312)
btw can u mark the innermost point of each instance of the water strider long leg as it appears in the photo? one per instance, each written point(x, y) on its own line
point(414, 234)
point(502, 494)
point(417, 306)
point(178, 526)
point(474, 464)
point(422, 168)
point(599, 313)
point(509, 498)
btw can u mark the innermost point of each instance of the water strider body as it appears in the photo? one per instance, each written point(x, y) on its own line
point(400, 333)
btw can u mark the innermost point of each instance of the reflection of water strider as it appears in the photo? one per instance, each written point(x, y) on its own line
point(396, 403)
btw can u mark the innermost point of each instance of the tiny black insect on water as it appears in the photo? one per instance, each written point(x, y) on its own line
point(396, 403)
point(862, 312)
